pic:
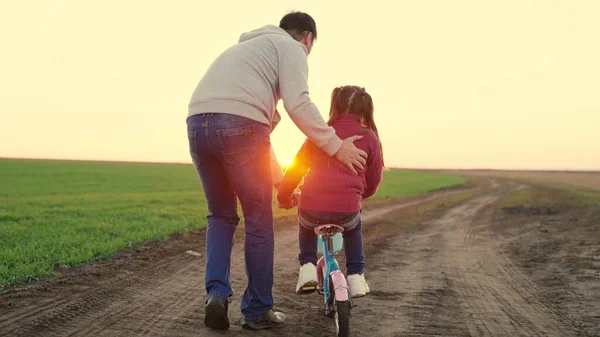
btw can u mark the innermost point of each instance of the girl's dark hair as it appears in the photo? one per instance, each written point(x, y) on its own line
point(353, 100)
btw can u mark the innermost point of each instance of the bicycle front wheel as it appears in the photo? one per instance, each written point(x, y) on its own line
point(342, 319)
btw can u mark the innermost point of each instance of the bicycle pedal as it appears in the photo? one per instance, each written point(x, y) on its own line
point(307, 289)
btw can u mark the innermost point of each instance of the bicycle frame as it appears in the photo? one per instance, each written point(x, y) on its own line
point(332, 269)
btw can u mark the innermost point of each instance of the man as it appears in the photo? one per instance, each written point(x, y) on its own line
point(231, 116)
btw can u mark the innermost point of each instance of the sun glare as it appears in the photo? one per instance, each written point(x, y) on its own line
point(286, 163)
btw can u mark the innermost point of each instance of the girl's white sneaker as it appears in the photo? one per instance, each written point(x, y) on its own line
point(358, 285)
point(307, 279)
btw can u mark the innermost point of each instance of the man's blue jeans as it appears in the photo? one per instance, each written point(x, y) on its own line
point(232, 157)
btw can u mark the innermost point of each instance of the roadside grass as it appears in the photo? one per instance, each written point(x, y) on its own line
point(547, 198)
point(62, 214)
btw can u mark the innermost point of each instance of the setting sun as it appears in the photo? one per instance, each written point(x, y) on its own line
point(286, 162)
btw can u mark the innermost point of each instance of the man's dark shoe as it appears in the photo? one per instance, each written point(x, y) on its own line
point(269, 320)
point(216, 313)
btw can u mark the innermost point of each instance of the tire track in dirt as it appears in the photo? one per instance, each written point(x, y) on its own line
point(165, 298)
point(499, 301)
point(410, 271)
point(54, 316)
point(450, 279)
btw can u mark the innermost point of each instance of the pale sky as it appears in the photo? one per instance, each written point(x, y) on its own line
point(456, 84)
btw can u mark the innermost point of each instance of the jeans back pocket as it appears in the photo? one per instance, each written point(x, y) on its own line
point(239, 145)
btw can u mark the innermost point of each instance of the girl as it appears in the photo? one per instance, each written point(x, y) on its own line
point(332, 194)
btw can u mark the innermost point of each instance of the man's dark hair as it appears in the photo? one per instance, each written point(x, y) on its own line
point(297, 23)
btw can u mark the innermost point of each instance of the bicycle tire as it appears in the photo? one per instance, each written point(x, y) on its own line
point(342, 317)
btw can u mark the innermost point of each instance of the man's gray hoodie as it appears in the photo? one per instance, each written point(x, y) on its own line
point(250, 78)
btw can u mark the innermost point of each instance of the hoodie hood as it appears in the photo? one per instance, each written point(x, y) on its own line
point(265, 30)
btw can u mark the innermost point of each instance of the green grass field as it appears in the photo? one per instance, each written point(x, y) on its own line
point(66, 213)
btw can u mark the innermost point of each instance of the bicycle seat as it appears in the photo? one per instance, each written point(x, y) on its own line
point(328, 229)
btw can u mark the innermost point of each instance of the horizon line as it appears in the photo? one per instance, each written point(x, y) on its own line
point(392, 168)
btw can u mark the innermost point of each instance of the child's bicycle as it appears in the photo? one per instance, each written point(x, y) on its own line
point(332, 283)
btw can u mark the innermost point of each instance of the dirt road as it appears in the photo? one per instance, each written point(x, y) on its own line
point(587, 180)
point(446, 277)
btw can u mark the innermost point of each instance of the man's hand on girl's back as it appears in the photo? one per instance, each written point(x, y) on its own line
point(350, 155)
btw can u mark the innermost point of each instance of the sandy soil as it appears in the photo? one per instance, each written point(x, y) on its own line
point(437, 266)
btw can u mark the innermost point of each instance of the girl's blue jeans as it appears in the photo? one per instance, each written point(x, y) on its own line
point(353, 240)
